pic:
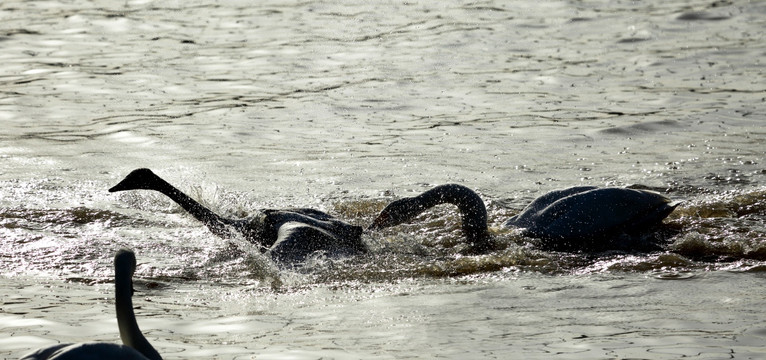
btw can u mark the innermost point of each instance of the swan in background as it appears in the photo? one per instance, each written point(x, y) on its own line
point(577, 218)
point(288, 235)
point(136, 346)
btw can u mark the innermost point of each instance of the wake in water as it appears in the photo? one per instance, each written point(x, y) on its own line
point(289, 236)
point(583, 218)
point(721, 233)
point(719, 230)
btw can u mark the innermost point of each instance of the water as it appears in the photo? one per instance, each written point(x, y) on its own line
point(345, 106)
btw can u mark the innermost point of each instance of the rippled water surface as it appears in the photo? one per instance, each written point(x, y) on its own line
point(346, 106)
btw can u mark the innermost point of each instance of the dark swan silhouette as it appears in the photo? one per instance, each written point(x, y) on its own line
point(577, 218)
point(288, 235)
point(135, 347)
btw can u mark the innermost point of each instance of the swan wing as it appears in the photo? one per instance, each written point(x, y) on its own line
point(297, 240)
point(600, 212)
point(44, 353)
point(86, 351)
point(529, 215)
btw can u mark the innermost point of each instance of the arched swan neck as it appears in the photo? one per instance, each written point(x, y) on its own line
point(126, 319)
point(471, 206)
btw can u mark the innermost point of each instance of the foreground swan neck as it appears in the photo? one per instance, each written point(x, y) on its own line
point(124, 266)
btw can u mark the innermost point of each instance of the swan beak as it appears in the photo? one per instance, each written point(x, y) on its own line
point(119, 187)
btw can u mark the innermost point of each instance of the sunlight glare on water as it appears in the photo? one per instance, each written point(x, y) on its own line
point(346, 107)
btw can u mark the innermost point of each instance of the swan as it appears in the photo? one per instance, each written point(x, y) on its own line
point(136, 346)
point(287, 235)
point(577, 218)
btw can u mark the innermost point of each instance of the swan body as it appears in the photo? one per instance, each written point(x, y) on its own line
point(135, 347)
point(577, 218)
point(288, 235)
point(86, 351)
point(587, 215)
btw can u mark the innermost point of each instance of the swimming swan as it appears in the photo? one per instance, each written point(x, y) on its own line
point(577, 218)
point(136, 346)
point(288, 235)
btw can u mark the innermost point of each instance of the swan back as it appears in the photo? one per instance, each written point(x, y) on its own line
point(529, 215)
point(589, 214)
point(86, 351)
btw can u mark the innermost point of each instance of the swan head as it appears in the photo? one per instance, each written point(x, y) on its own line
point(125, 260)
point(397, 212)
point(139, 179)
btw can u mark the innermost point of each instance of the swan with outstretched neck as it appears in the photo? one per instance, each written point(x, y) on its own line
point(577, 218)
point(288, 235)
point(135, 347)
